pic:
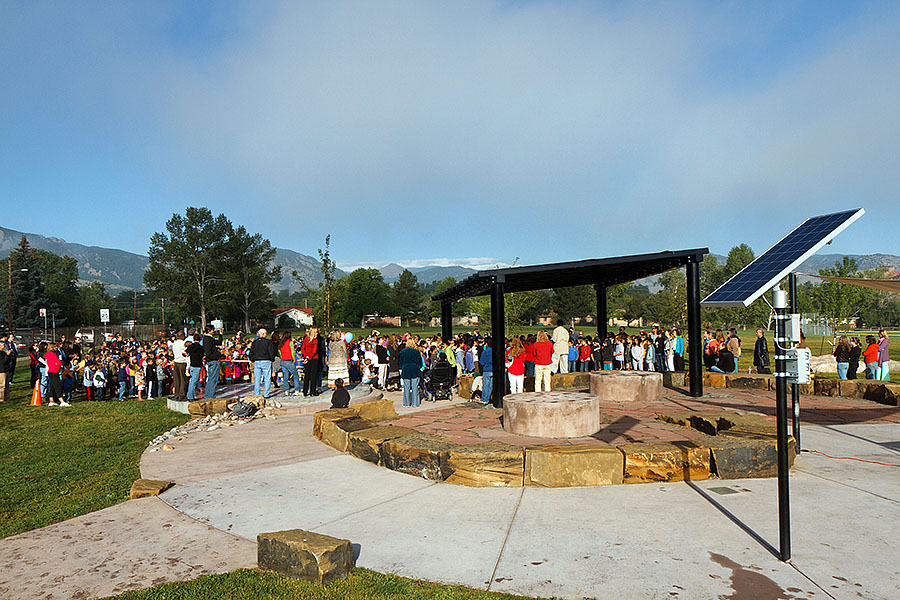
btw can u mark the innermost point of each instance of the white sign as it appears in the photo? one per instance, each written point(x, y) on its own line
point(43, 312)
point(104, 315)
point(217, 324)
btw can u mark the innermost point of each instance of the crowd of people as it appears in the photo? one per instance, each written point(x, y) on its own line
point(189, 365)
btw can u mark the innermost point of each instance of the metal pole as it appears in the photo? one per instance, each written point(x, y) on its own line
point(134, 308)
point(164, 314)
point(695, 347)
point(9, 322)
point(779, 302)
point(601, 310)
point(446, 320)
point(795, 387)
point(498, 331)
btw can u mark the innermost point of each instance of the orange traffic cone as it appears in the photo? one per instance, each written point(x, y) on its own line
point(36, 394)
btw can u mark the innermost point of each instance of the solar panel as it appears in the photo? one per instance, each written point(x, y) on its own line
point(774, 264)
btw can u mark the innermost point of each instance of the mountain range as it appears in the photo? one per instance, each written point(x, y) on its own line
point(125, 270)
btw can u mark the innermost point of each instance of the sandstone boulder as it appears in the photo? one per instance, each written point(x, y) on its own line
point(675, 379)
point(748, 381)
point(332, 414)
point(740, 457)
point(825, 387)
point(712, 379)
point(375, 410)
point(305, 555)
point(883, 393)
point(419, 454)
point(853, 388)
point(465, 387)
point(336, 433)
point(142, 488)
point(484, 465)
point(366, 443)
point(569, 466)
point(203, 408)
point(675, 461)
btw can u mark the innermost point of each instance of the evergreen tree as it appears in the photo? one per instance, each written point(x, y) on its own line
point(28, 295)
point(251, 273)
point(59, 275)
point(407, 295)
point(574, 301)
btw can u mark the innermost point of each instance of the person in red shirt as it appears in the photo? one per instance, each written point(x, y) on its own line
point(289, 365)
point(515, 365)
point(529, 356)
point(54, 385)
point(311, 359)
point(870, 356)
point(543, 358)
point(584, 355)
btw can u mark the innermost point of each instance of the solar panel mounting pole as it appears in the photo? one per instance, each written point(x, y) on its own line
point(779, 302)
point(795, 387)
point(601, 310)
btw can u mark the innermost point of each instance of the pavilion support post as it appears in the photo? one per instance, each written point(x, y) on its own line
point(601, 310)
point(498, 333)
point(446, 320)
point(695, 347)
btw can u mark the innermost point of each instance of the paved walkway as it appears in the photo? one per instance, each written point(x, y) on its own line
point(700, 540)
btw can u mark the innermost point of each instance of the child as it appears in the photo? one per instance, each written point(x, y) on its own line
point(150, 377)
point(122, 379)
point(367, 375)
point(68, 383)
point(139, 382)
point(88, 380)
point(340, 398)
point(99, 381)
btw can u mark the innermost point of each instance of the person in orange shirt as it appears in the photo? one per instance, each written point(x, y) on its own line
point(870, 355)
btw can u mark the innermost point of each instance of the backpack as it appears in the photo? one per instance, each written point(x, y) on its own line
point(243, 409)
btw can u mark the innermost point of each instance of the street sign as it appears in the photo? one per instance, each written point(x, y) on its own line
point(43, 312)
point(104, 315)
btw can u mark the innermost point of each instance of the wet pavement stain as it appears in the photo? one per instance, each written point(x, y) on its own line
point(749, 585)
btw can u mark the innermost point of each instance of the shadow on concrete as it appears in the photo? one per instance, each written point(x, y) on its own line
point(731, 516)
point(618, 427)
point(890, 446)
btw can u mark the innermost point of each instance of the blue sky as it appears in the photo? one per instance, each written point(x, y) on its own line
point(418, 130)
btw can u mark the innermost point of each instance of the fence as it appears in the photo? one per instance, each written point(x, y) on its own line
point(91, 334)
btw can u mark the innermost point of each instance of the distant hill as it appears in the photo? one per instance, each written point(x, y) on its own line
point(434, 273)
point(125, 270)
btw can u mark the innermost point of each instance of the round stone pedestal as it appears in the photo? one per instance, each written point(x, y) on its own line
point(551, 414)
point(626, 386)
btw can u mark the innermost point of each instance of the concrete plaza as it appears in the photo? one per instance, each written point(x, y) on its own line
point(703, 539)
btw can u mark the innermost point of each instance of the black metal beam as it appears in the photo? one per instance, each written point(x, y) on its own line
point(447, 321)
point(695, 348)
point(498, 332)
point(601, 310)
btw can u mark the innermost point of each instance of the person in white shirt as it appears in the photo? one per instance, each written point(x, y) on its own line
point(560, 339)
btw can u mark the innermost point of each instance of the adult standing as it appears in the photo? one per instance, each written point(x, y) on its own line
point(560, 339)
point(761, 353)
point(289, 365)
point(486, 360)
point(54, 383)
point(262, 353)
point(734, 346)
point(855, 353)
point(13, 351)
point(842, 356)
point(194, 351)
point(543, 362)
point(679, 350)
point(515, 366)
point(870, 356)
point(337, 359)
point(884, 346)
point(5, 358)
point(212, 355)
point(179, 367)
point(411, 366)
point(311, 358)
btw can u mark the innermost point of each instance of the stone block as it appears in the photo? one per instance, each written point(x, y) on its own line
point(336, 433)
point(366, 443)
point(748, 381)
point(883, 393)
point(465, 387)
point(142, 488)
point(555, 414)
point(419, 454)
point(203, 408)
point(740, 457)
point(305, 555)
point(257, 401)
point(753, 424)
point(712, 379)
point(675, 461)
point(565, 381)
point(626, 386)
point(484, 465)
point(571, 466)
point(675, 379)
point(332, 414)
point(375, 410)
point(825, 387)
point(853, 388)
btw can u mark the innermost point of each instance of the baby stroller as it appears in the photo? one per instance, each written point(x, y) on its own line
point(441, 380)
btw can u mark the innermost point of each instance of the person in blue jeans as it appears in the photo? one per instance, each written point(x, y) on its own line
point(194, 351)
point(486, 361)
point(122, 379)
point(262, 353)
point(411, 365)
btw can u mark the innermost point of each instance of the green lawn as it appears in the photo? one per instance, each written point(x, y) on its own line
point(251, 584)
point(57, 463)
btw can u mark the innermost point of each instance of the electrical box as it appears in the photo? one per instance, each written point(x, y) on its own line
point(797, 365)
point(792, 328)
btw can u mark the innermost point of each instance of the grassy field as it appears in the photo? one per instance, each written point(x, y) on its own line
point(251, 584)
point(57, 463)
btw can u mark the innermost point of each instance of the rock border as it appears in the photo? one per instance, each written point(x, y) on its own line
point(733, 446)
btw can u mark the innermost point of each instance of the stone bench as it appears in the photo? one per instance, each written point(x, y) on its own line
point(551, 414)
point(305, 555)
point(626, 386)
